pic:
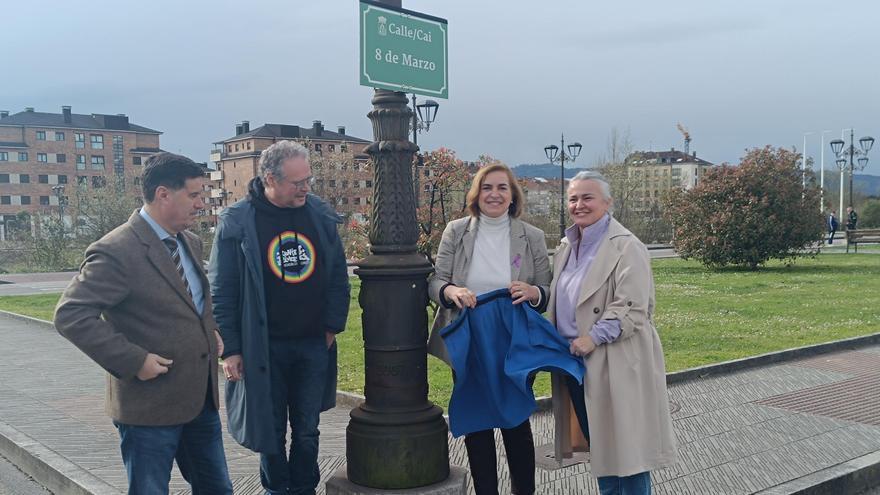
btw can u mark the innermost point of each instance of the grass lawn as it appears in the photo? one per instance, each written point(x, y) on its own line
point(703, 316)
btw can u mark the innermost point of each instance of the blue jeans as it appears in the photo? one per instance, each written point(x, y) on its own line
point(298, 374)
point(637, 484)
point(149, 451)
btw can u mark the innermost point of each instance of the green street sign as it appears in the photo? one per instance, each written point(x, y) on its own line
point(402, 50)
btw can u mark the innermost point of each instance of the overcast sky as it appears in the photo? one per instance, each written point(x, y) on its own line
point(738, 74)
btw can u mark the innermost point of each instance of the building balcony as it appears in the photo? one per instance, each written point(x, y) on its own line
point(216, 155)
point(216, 210)
point(215, 175)
point(217, 193)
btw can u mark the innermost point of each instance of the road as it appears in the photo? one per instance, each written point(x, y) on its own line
point(14, 482)
point(21, 284)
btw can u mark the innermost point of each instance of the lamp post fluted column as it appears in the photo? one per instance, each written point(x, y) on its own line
point(397, 438)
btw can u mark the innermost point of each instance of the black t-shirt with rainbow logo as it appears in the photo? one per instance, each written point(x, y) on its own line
point(292, 267)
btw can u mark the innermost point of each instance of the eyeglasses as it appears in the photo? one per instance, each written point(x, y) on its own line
point(301, 184)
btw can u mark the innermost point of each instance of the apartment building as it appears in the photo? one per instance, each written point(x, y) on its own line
point(656, 172)
point(42, 153)
point(236, 161)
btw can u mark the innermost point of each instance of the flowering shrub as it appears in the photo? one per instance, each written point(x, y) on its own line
point(748, 214)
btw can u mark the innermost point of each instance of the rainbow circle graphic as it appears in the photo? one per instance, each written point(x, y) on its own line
point(305, 251)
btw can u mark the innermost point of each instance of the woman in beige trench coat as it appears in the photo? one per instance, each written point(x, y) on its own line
point(602, 299)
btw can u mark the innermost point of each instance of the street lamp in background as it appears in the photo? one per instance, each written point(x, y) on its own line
point(555, 153)
point(841, 164)
point(865, 145)
point(423, 116)
point(822, 174)
point(59, 193)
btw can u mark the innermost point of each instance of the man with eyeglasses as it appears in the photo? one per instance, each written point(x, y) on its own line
point(280, 286)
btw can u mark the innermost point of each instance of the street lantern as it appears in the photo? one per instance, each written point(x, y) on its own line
point(428, 112)
point(841, 163)
point(837, 146)
point(423, 116)
point(558, 153)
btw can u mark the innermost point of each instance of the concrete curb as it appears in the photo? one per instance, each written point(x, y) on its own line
point(852, 476)
point(50, 469)
point(771, 358)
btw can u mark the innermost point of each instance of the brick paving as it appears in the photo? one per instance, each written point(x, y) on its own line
point(739, 433)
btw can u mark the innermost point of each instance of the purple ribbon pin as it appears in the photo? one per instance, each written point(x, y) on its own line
point(517, 260)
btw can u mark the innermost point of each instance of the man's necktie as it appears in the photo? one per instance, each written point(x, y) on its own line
point(171, 244)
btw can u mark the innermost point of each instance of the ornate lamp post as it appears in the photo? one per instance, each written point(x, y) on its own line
point(397, 438)
point(552, 151)
point(423, 116)
point(865, 145)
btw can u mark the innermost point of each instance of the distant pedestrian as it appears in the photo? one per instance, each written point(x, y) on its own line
point(281, 291)
point(832, 226)
point(852, 218)
point(141, 309)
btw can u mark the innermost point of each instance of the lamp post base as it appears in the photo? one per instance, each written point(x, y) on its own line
point(455, 484)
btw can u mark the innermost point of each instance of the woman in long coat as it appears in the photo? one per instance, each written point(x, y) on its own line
point(602, 300)
point(488, 250)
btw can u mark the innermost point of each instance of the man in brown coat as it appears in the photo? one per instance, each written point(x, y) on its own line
point(141, 308)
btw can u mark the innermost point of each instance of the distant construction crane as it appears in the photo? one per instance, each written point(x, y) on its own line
point(687, 138)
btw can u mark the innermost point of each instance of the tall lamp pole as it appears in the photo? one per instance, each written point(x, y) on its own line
point(822, 174)
point(865, 145)
point(59, 193)
point(423, 116)
point(555, 153)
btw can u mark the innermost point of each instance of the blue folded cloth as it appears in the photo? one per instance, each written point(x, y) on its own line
point(494, 348)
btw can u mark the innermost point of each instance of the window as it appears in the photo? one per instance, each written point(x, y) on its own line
point(80, 162)
point(22, 156)
point(343, 148)
point(99, 181)
point(80, 140)
point(249, 145)
point(44, 200)
point(136, 160)
point(236, 146)
point(25, 200)
point(4, 178)
point(42, 158)
point(82, 179)
point(97, 142)
point(318, 148)
point(24, 179)
point(97, 162)
point(6, 200)
point(331, 148)
point(60, 158)
point(43, 179)
point(62, 179)
point(118, 158)
point(41, 135)
point(4, 156)
point(369, 183)
point(59, 136)
point(332, 183)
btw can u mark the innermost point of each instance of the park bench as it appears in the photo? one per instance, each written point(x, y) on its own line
point(862, 236)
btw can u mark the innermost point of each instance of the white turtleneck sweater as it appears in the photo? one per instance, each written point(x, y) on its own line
point(490, 264)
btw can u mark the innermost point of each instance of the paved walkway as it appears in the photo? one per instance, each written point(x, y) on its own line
point(739, 433)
